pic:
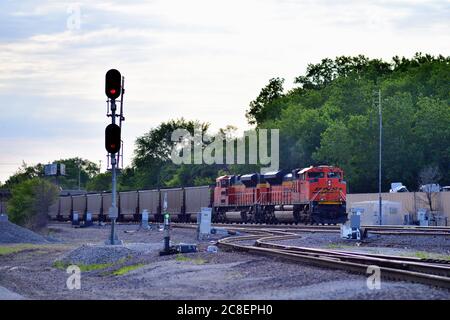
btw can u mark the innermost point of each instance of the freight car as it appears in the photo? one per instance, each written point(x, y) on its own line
point(182, 204)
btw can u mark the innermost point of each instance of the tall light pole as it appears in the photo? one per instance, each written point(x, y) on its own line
point(377, 101)
point(79, 174)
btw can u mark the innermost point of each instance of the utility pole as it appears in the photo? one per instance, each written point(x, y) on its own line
point(79, 174)
point(377, 101)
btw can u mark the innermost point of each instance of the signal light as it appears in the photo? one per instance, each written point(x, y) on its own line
point(113, 84)
point(112, 138)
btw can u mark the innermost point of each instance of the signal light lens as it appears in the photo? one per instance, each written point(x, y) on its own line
point(113, 84)
point(112, 138)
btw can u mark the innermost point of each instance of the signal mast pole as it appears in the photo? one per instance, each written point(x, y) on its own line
point(114, 90)
point(113, 172)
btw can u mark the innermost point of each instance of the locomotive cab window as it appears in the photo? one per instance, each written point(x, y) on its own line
point(224, 183)
point(334, 175)
point(315, 175)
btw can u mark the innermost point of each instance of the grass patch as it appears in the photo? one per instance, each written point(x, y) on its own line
point(90, 267)
point(4, 250)
point(429, 255)
point(60, 265)
point(421, 255)
point(126, 269)
point(182, 258)
point(83, 267)
point(334, 246)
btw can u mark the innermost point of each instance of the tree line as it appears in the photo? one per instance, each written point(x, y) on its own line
point(328, 117)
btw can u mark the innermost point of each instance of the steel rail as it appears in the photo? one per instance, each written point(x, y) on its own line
point(419, 266)
point(430, 274)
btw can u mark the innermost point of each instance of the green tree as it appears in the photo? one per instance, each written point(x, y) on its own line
point(77, 168)
point(151, 161)
point(258, 108)
point(331, 118)
point(319, 76)
point(24, 173)
point(30, 201)
point(100, 182)
point(432, 133)
point(87, 169)
point(300, 131)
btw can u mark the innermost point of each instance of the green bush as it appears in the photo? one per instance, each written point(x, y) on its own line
point(30, 201)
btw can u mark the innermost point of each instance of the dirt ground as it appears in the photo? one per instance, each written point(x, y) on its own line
point(30, 272)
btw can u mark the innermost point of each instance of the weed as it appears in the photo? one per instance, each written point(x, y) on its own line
point(4, 250)
point(126, 269)
point(83, 267)
point(334, 246)
point(182, 258)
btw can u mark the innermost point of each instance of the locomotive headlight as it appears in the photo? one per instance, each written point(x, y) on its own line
point(329, 183)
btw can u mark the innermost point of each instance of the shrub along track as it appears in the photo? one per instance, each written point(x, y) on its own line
point(426, 271)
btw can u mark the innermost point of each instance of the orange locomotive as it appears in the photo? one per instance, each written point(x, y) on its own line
point(309, 195)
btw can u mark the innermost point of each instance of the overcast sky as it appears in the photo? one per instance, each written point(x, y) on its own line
point(200, 60)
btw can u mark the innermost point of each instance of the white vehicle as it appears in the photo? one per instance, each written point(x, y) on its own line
point(432, 187)
point(398, 187)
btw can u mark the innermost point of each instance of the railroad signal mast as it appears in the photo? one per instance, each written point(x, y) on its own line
point(167, 248)
point(114, 89)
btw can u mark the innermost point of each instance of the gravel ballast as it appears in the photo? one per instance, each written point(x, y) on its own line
point(388, 244)
point(143, 274)
point(97, 254)
point(12, 233)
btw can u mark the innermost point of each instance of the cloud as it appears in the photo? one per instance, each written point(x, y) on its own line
point(199, 59)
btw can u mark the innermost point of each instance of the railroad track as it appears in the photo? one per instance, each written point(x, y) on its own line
point(263, 240)
point(381, 230)
point(426, 271)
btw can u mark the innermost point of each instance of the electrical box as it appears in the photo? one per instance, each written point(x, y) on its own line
point(75, 218)
point(88, 220)
point(351, 230)
point(113, 213)
point(422, 217)
point(144, 219)
point(204, 223)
